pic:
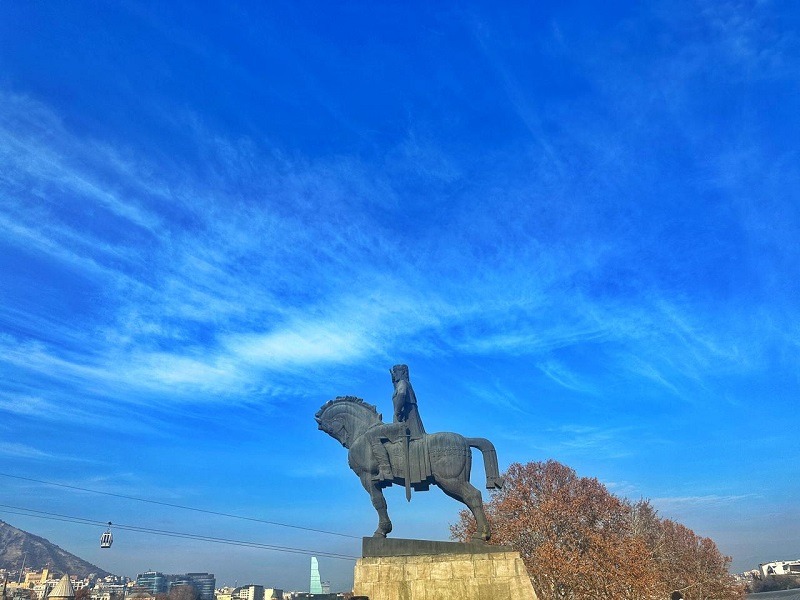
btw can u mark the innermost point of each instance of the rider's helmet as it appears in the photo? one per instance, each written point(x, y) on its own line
point(399, 372)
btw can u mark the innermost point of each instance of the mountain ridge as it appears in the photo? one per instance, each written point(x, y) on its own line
point(40, 553)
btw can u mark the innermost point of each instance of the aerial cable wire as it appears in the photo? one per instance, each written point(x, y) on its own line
point(181, 506)
point(177, 534)
point(29, 512)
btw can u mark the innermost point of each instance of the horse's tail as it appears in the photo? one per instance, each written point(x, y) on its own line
point(493, 479)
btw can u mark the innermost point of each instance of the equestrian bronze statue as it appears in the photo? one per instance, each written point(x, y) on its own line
point(402, 453)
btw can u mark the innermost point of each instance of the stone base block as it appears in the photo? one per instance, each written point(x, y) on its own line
point(469, 576)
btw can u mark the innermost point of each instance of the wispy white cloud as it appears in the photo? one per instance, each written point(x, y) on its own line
point(745, 33)
point(300, 346)
point(36, 237)
point(495, 394)
point(673, 503)
point(285, 263)
point(45, 161)
point(515, 93)
point(564, 376)
point(575, 440)
point(21, 404)
point(581, 439)
point(531, 340)
point(22, 451)
point(38, 357)
point(624, 489)
point(163, 371)
point(16, 450)
point(639, 367)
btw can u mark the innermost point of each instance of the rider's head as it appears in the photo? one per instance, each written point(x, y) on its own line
point(399, 372)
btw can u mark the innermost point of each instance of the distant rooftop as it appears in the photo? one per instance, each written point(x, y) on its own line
point(63, 589)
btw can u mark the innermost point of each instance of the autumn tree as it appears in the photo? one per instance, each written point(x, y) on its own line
point(183, 592)
point(579, 541)
point(775, 582)
point(572, 534)
point(83, 593)
point(694, 565)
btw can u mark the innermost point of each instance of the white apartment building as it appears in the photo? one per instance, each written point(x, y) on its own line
point(780, 567)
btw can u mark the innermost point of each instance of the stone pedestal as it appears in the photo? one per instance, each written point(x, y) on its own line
point(394, 569)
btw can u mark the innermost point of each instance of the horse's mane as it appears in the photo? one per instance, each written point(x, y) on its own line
point(350, 399)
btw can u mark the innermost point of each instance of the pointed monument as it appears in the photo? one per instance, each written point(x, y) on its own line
point(63, 590)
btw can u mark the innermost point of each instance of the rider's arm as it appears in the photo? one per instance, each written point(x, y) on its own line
point(399, 399)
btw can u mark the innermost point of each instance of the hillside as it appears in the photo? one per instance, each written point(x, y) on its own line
point(14, 543)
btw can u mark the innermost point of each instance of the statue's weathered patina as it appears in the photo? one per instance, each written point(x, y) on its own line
point(401, 452)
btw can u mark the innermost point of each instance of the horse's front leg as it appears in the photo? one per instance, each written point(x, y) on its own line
point(379, 502)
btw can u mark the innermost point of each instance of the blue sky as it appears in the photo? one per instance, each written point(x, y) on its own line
point(577, 224)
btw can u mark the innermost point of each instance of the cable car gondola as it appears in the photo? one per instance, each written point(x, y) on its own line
point(107, 539)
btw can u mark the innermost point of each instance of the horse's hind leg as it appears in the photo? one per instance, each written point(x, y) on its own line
point(379, 502)
point(465, 492)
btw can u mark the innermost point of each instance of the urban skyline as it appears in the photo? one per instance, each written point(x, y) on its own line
point(155, 583)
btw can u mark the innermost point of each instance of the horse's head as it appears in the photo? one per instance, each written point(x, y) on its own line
point(346, 418)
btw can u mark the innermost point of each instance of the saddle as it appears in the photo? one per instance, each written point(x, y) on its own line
point(419, 459)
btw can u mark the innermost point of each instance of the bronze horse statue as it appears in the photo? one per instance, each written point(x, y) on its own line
point(442, 459)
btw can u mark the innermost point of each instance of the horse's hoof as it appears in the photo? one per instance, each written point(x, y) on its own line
point(481, 538)
point(384, 528)
point(495, 483)
point(379, 534)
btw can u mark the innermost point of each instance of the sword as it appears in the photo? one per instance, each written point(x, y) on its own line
point(408, 465)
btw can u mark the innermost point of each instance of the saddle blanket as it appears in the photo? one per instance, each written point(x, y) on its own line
point(419, 457)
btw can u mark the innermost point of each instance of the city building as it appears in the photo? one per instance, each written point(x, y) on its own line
point(41, 590)
point(45, 585)
point(106, 590)
point(34, 577)
point(780, 567)
point(204, 583)
point(315, 586)
point(155, 582)
point(248, 592)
